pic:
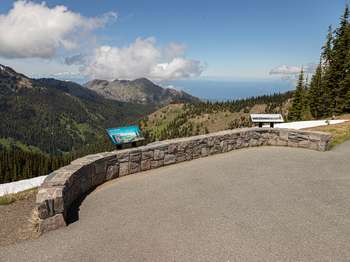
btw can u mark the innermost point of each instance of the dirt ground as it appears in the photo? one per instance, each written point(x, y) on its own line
point(15, 221)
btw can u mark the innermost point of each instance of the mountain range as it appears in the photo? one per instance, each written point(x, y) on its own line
point(60, 116)
point(141, 91)
point(45, 123)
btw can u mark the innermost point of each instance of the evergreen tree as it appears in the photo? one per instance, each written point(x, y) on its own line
point(305, 111)
point(328, 85)
point(341, 49)
point(297, 109)
point(315, 94)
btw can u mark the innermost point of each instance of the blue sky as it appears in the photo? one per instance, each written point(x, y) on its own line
point(216, 39)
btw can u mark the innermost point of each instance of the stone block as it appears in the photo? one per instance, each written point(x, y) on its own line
point(99, 176)
point(188, 156)
point(238, 144)
point(134, 167)
point(50, 199)
point(322, 146)
point(283, 135)
point(182, 147)
point(204, 151)
point(124, 169)
point(135, 157)
point(123, 157)
point(85, 179)
point(215, 150)
point(292, 144)
point(253, 142)
point(158, 154)
point(100, 167)
point(304, 144)
point(157, 163)
point(169, 159)
point(180, 157)
point(42, 210)
point(172, 148)
point(314, 146)
point(112, 172)
point(272, 142)
point(223, 146)
point(51, 223)
point(146, 164)
point(147, 155)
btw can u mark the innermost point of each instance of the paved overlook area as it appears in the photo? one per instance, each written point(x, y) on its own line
point(255, 204)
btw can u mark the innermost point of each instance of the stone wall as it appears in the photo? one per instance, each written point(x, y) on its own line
point(68, 184)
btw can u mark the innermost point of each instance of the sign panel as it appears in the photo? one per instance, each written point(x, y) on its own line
point(266, 118)
point(123, 135)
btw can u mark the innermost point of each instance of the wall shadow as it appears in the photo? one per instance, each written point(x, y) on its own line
point(72, 214)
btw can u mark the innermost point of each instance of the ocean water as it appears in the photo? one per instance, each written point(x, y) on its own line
point(230, 90)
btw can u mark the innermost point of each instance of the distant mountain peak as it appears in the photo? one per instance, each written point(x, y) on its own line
point(140, 90)
point(9, 70)
point(11, 81)
point(142, 80)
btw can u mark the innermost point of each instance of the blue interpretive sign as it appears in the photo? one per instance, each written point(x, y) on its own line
point(124, 135)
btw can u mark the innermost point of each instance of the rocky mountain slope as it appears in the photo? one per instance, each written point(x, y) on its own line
point(140, 90)
point(58, 116)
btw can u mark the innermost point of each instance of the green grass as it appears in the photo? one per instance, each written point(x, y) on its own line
point(340, 139)
point(11, 198)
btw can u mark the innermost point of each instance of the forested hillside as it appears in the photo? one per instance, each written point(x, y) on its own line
point(46, 122)
point(192, 119)
point(328, 93)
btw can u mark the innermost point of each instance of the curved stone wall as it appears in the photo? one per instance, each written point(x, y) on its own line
point(68, 184)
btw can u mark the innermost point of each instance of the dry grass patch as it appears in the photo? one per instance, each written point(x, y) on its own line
point(16, 218)
point(339, 132)
point(11, 198)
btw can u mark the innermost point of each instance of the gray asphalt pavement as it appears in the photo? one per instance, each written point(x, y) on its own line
point(256, 204)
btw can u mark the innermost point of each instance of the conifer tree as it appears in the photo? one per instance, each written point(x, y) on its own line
point(328, 79)
point(297, 108)
point(341, 49)
point(305, 111)
point(315, 94)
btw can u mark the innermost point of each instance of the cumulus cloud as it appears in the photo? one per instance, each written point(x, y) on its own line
point(35, 30)
point(286, 70)
point(141, 58)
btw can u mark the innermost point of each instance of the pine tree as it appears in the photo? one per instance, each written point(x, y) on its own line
point(341, 49)
point(328, 79)
point(296, 110)
point(345, 86)
point(305, 111)
point(315, 94)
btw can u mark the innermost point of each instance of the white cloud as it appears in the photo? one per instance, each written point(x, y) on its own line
point(36, 30)
point(286, 70)
point(142, 58)
point(178, 68)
